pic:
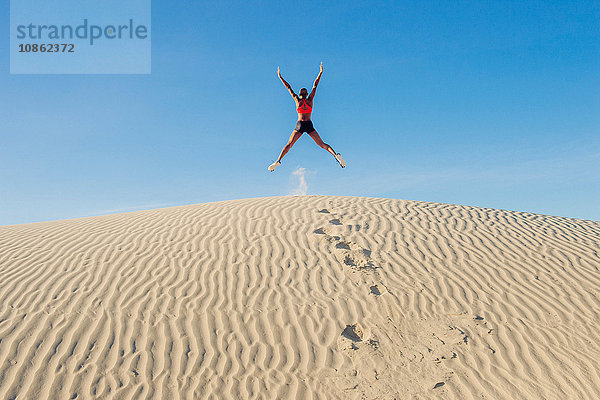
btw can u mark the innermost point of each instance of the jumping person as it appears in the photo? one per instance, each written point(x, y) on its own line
point(304, 106)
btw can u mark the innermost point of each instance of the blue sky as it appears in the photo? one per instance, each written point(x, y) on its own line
point(492, 104)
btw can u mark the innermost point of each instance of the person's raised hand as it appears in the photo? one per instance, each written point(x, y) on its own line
point(321, 66)
point(278, 72)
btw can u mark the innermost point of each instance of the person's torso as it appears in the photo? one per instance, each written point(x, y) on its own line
point(304, 109)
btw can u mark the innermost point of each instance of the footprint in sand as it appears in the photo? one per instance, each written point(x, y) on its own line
point(355, 337)
point(343, 245)
point(351, 339)
point(358, 262)
point(375, 290)
point(353, 332)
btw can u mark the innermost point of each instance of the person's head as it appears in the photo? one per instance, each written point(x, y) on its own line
point(303, 93)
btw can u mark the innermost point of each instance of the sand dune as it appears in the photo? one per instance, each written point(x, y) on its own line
point(302, 297)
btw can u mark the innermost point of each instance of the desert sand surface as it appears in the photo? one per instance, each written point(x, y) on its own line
point(303, 297)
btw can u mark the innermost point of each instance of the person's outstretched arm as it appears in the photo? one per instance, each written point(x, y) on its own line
point(287, 85)
point(314, 89)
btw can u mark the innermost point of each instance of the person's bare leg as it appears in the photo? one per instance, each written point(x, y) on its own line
point(293, 138)
point(327, 147)
point(321, 143)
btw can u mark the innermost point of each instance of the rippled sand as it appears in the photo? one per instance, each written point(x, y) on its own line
point(301, 297)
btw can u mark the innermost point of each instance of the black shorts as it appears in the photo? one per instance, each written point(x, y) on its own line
point(304, 126)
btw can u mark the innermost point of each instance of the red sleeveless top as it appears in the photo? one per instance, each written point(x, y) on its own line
point(304, 108)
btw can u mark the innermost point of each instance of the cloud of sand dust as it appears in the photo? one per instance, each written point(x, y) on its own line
point(302, 187)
